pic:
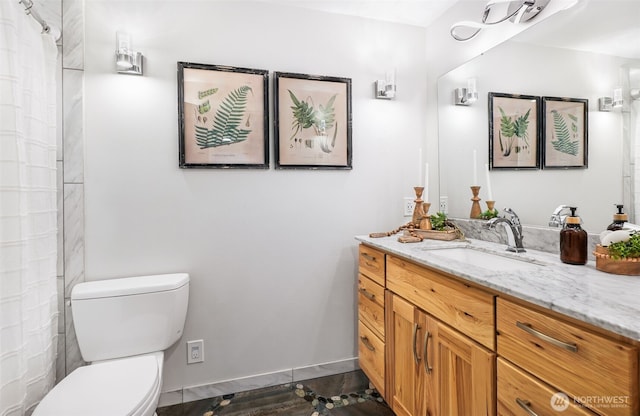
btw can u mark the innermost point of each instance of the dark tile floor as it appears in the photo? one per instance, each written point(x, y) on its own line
point(345, 394)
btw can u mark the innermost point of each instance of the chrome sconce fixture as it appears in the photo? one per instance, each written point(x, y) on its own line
point(611, 103)
point(386, 88)
point(468, 95)
point(127, 60)
point(517, 11)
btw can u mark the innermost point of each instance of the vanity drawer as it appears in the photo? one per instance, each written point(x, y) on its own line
point(518, 391)
point(469, 310)
point(371, 305)
point(578, 362)
point(371, 263)
point(371, 356)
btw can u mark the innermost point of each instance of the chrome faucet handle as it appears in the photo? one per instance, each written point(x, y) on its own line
point(515, 220)
point(557, 218)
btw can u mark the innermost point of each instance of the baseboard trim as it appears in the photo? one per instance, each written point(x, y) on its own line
point(276, 378)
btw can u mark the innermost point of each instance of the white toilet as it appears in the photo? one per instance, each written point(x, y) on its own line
point(123, 327)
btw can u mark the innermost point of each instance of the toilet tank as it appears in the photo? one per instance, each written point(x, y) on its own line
point(129, 316)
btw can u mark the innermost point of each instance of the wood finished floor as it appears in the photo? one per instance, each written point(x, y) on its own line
point(345, 394)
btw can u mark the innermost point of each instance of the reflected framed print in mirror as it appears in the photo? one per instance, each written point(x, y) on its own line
point(514, 131)
point(565, 133)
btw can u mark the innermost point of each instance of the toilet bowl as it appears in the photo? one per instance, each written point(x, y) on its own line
point(123, 327)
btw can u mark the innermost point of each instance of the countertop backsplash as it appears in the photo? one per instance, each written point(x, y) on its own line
point(545, 239)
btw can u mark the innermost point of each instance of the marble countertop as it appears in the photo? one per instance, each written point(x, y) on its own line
point(605, 300)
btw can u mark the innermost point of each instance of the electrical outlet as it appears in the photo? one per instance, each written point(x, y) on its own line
point(408, 206)
point(444, 204)
point(195, 351)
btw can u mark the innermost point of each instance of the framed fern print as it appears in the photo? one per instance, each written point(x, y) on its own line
point(565, 126)
point(514, 139)
point(312, 121)
point(223, 115)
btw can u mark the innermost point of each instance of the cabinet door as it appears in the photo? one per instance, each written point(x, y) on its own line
point(466, 373)
point(402, 355)
point(411, 357)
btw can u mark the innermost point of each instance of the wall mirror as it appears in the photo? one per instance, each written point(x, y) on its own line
point(581, 53)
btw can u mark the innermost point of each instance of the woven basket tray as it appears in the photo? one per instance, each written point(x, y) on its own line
point(605, 263)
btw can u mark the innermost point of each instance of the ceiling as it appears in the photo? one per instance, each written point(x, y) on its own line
point(412, 12)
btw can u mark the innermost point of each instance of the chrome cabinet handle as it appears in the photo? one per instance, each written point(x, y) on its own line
point(569, 346)
point(366, 294)
point(368, 257)
point(425, 352)
point(416, 327)
point(367, 343)
point(525, 404)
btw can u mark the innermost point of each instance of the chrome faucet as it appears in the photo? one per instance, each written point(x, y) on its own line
point(557, 218)
point(513, 228)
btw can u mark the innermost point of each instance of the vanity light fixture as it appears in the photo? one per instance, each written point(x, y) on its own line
point(610, 103)
point(127, 60)
point(517, 11)
point(468, 95)
point(386, 88)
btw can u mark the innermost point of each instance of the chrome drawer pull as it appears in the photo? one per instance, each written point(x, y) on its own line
point(569, 346)
point(367, 343)
point(415, 336)
point(366, 294)
point(525, 404)
point(368, 257)
point(425, 353)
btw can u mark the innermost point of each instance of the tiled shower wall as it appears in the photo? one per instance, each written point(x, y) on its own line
point(69, 16)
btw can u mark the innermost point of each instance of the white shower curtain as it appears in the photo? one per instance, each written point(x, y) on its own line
point(28, 300)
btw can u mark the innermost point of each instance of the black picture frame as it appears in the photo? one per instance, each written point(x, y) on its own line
point(514, 131)
point(565, 127)
point(303, 139)
point(223, 116)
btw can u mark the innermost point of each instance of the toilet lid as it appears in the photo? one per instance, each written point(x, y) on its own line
point(110, 388)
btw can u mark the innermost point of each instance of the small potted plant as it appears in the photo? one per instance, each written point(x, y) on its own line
point(622, 257)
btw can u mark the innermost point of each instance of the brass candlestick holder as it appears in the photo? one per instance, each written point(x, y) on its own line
point(418, 210)
point(476, 211)
point(425, 223)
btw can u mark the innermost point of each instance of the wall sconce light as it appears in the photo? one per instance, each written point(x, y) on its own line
point(386, 88)
point(127, 60)
point(610, 103)
point(518, 11)
point(468, 95)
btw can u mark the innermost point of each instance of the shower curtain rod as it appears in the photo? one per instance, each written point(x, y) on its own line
point(28, 8)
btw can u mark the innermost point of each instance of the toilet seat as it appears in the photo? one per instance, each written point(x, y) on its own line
point(120, 387)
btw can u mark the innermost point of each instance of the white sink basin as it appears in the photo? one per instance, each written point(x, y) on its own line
point(486, 260)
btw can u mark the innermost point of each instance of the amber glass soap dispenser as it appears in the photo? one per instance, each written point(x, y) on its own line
point(573, 240)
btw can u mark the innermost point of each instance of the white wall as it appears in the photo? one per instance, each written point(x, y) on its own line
point(271, 253)
point(518, 68)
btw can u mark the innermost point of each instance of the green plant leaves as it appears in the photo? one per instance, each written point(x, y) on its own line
point(514, 130)
point(306, 116)
point(564, 136)
point(228, 117)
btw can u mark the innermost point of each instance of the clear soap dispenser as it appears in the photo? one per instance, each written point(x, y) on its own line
point(573, 240)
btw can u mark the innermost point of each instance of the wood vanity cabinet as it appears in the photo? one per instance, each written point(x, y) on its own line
point(433, 369)
point(597, 370)
point(371, 313)
point(434, 345)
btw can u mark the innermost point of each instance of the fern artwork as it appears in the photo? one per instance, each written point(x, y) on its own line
point(513, 131)
point(313, 121)
point(223, 115)
point(322, 119)
point(226, 128)
point(565, 134)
